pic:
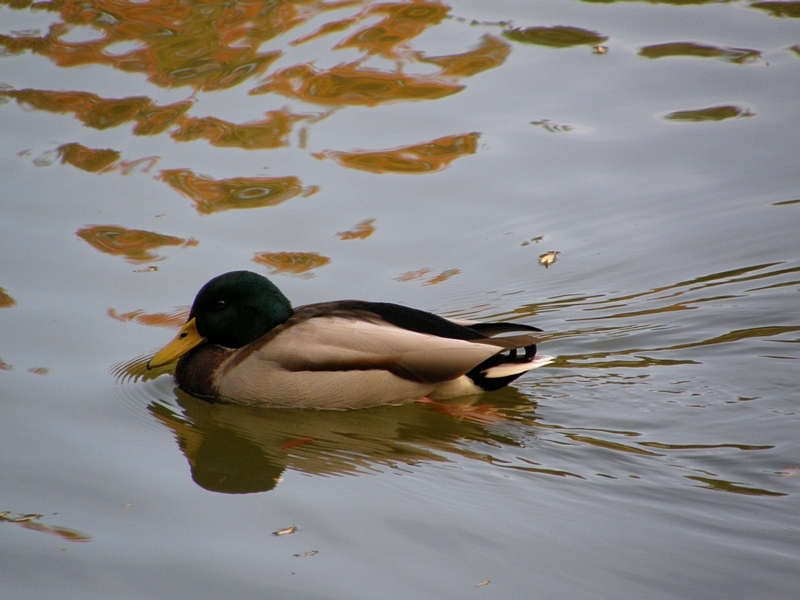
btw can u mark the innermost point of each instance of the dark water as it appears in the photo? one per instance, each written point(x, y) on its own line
point(622, 174)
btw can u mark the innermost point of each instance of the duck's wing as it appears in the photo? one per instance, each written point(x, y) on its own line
point(362, 336)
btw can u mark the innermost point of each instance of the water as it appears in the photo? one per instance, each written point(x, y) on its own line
point(435, 159)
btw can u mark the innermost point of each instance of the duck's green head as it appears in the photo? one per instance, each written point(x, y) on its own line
point(231, 310)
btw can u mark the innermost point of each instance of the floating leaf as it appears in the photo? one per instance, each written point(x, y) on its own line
point(255, 135)
point(491, 53)
point(103, 113)
point(173, 320)
point(350, 85)
point(287, 531)
point(548, 258)
point(403, 21)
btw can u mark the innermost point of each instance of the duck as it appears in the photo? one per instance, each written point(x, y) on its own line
point(244, 343)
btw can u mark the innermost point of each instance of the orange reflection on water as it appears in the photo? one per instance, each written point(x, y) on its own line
point(402, 22)
point(419, 274)
point(135, 245)
point(6, 301)
point(87, 159)
point(351, 85)
point(412, 275)
point(269, 133)
point(489, 54)
point(360, 232)
point(419, 158)
point(103, 113)
point(443, 276)
point(291, 263)
point(172, 320)
point(204, 45)
point(217, 195)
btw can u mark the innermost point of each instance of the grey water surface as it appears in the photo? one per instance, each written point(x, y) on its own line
point(623, 175)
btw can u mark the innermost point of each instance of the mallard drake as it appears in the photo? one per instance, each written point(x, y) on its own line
point(244, 343)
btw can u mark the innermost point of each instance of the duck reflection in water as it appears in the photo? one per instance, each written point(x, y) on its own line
point(245, 344)
point(236, 449)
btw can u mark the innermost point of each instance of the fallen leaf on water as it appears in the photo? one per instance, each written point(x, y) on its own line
point(482, 583)
point(287, 531)
point(600, 49)
point(548, 258)
point(312, 553)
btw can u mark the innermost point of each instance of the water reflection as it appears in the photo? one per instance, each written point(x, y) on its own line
point(291, 263)
point(353, 85)
point(217, 195)
point(361, 231)
point(256, 135)
point(617, 319)
point(103, 113)
point(135, 245)
point(715, 113)
point(87, 159)
point(427, 157)
point(237, 449)
point(400, 23)
point(555, 37)
point(735, 55)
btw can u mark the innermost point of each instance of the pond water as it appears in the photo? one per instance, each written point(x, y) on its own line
point(623, 175)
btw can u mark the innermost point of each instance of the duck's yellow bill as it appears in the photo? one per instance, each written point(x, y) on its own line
point(187, 339)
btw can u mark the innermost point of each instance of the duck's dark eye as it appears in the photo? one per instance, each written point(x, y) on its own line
point(220, 304)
